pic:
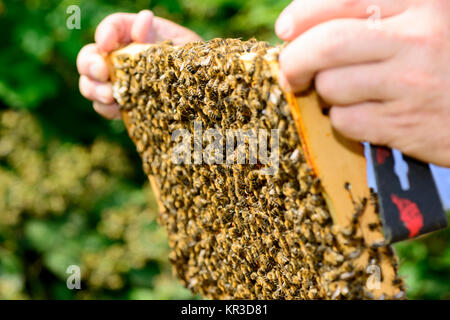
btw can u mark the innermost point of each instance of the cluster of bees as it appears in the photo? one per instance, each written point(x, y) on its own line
point(234, 232)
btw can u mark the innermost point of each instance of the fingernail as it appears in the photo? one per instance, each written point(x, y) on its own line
point(284, 84)
point(284, 26)
point(104, 94)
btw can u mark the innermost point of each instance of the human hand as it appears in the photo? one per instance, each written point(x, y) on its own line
point(114, 31)
point(388, 82)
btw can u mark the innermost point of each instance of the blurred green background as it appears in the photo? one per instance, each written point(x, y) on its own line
point(72, 191)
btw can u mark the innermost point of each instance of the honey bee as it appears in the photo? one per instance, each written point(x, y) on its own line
point(169, 62)
point(214, 71)
point(210, 91)
point(373, 226)
point(192, 67)
point(235, 64)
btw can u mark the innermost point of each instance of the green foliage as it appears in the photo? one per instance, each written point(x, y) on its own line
point(65, 204)
point(425, 264)
point(71, 186)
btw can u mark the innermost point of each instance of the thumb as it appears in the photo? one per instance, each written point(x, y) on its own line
point(149, 29)
point(168, 30)
point(142, 30)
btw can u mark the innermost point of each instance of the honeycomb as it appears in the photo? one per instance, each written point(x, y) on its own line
point(235, 231)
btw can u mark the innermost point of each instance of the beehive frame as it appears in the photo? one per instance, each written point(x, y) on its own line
point(363, 226)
